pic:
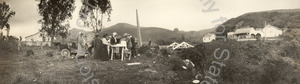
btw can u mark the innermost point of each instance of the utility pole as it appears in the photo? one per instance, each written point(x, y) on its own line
point(139, 29)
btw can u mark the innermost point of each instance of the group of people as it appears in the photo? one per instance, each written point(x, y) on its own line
point(103, 46)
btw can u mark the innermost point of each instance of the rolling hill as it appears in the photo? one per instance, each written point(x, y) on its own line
point(286, 18)
point(156, 33)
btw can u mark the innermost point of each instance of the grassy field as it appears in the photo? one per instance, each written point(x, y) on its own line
point(252, 62)
point(16, 68)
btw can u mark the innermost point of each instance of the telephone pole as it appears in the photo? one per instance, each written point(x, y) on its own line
point(139, 36)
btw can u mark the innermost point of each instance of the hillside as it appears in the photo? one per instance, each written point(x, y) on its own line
point(288, 18)
point(156, 33)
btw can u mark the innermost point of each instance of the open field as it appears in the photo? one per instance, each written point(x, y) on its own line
point(269, 62)
point(43, 69)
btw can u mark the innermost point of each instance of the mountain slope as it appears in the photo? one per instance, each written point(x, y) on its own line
point(288, 18)
point(155, 33)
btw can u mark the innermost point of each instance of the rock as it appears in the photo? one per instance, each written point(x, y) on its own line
point(196, 81)
point(35, 79)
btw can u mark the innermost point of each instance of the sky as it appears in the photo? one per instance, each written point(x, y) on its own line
point(186, 15)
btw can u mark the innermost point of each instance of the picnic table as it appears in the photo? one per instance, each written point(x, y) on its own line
point(122, 46)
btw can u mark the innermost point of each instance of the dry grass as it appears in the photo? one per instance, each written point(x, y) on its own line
point(43, 69)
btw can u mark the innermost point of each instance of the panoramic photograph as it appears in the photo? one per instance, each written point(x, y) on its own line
point(149, 42)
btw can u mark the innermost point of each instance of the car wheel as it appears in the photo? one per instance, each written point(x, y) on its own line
point(65, 53)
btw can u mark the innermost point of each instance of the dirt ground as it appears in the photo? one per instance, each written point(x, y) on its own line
point(16, 68)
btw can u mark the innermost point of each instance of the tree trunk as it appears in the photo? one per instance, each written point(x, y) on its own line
point(1, 28)
point(52, 40)
point(42, 45)
point(101, 22)
point(7, 32)
point(1, 32)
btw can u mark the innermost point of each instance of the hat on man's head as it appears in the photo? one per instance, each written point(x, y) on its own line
point(96, 35)
point(105, 35)
point(125, 34)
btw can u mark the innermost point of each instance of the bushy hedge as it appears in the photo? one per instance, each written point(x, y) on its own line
point(253, 62)
point(9, 45)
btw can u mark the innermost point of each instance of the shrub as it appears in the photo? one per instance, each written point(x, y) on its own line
point(164, 52)
point(144, 49)
point(245, 62)
point(10, 45)
point(49, 53)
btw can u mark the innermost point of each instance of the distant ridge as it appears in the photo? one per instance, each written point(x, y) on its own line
point(155, 33)
point(283, 18)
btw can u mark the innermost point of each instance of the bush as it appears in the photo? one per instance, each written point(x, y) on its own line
point(170, 69)
point(10, 45)
point(144, 49)
point(164, 52)
point(245, 62)
point(49, 53)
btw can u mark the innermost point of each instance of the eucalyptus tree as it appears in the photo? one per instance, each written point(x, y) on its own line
point(55, 14)
point(5, 15)
point(92, 12)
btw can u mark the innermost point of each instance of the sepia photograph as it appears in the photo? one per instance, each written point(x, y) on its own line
point(149, 41)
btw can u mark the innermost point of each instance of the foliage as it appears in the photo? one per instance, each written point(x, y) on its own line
point(293, 36)
point(176, 30)
point(164, 52)
point(246, 61)
point(170, 69)
point(91, 9)
point(9, 45)
point(144, 49)
point(5, 15)
point(279, 18)
point(163, 42)
point(55, 13)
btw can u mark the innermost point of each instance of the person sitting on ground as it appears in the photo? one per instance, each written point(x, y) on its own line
point(188, 66)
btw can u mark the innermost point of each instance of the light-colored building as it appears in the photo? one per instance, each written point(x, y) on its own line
point(257, 33)
point(230, 35)
point(271, 31)
point(248, 33)
point(34, 37)
point(209, 37)
point(36, 40)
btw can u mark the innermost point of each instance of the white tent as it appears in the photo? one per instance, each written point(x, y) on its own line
point(183, 45)
point(173, 45)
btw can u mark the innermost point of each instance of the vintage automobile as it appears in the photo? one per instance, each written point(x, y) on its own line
point(69, 49)
point(68, 46)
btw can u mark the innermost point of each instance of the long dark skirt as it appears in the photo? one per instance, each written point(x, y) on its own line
point(100, 50)
point(104, 53)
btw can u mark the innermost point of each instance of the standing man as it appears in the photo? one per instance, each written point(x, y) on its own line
point(133, 50)
point(149, 44)
point(113, 40)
